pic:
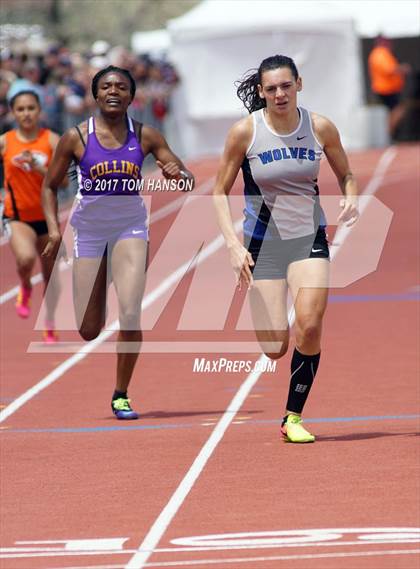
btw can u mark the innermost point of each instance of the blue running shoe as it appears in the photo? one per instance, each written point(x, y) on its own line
point(122, 409)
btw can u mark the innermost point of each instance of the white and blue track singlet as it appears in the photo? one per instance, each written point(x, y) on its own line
point(280, 176)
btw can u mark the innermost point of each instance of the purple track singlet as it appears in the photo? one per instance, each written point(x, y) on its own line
point(109, 179)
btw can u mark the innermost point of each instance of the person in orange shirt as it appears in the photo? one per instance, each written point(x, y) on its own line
point(387, 78)
point(27, 151)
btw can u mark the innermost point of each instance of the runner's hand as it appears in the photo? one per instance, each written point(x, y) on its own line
point(241, 261)
point(170, 170)
point(55, 247)
point(350, 213)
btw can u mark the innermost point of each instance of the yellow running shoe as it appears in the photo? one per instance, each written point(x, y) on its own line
point(293, 430)
point(122, 409)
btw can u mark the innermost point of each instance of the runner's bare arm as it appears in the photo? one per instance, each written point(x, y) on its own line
point(237, 142)
point(54, 140)
point(172, 167)
point(63, 155)
point(329, 136)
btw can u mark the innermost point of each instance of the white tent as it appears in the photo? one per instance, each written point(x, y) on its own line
point(371, 17)
point(155, 43)
point(214, 44)
point(387, 17)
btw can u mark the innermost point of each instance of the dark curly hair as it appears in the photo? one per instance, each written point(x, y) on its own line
point(113, 69)
point(247, 88)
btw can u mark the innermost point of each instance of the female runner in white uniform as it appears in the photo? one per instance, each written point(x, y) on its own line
point(279, 147)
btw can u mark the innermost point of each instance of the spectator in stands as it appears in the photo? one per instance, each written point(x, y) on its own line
point(387, 77)
point(29, 80)
point(6, 121)
point(61, 79)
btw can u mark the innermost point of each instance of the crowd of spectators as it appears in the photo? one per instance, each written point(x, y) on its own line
point(62, 79)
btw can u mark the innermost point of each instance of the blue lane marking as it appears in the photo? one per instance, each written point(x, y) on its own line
point(189, 425)
point(374, 297)
point(101, 429)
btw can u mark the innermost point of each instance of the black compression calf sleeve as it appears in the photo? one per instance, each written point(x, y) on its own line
point(303, 369)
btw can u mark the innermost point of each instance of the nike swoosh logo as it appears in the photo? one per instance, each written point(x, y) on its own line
point(313, 250)
point(301, 137)
point(132, 147)
point(137, 232)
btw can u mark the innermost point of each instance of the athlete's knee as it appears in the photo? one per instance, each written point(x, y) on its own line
point(309, 330)
point(25, 262)
point(89, 331)
point(131, 335)
point(129, 319)
point(275, 352)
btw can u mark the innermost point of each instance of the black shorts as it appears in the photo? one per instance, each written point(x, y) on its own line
point(390, 101)
point(272, 257)
point(40, 227)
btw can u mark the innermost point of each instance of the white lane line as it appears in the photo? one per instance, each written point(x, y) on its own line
point(207, 562)
point(29, 552)
point(12, 293)
point(374, 553)
point(152, 538)
point(294, 545)
point(90, 567)
point(35, 279)
point(61, 553)
point(173, 206)
point(167, 514)
point(380, 171)
point(161, 213)
point(371, 188)
point(211, 248)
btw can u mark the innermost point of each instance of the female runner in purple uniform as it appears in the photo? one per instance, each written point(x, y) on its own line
point(109, 222)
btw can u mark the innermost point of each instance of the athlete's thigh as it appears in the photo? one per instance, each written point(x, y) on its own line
point(268, 302)
point(308, 282)
point(128, 269)
point(90, 289)
point(22, 240)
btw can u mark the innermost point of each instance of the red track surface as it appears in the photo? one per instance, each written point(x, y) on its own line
point(360, 474)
